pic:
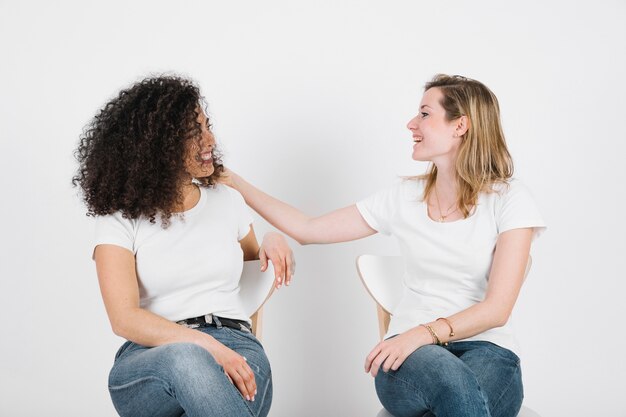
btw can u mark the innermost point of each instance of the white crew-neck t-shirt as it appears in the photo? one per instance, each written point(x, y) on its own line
point(447, 264)
point(191, 268)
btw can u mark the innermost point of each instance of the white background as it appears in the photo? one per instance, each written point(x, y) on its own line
point(310, 101)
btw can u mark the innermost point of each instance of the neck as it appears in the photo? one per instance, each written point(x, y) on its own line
point(190, 195)
point(446, 181)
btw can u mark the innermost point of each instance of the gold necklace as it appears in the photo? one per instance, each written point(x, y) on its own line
point(442, 217)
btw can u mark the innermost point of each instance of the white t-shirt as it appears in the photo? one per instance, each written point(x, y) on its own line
point(191, 268)
point(447, 264)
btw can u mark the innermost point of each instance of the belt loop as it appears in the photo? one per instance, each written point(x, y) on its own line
point(208, 318)
point(217, 321)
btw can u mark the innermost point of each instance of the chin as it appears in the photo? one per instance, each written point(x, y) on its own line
point(420, 158)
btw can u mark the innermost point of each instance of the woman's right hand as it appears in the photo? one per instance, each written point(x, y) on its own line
point(226, 178)
point(236, 369)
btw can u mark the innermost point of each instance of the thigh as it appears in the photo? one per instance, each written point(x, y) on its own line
point(167, 380)
point(431, 379)
point(248, 346)
point(498, 372)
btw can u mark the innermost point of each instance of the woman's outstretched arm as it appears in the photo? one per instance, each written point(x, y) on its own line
point(337, 226)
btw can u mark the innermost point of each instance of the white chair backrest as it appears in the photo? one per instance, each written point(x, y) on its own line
point(382, 277)
point(255, 288)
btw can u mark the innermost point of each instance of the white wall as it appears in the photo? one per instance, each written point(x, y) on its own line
point(310, 102)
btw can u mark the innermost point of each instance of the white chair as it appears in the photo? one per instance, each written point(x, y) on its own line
point(382, 277)
point(255, 288)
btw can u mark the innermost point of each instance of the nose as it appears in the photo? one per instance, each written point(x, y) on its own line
point(413, 123)
point(208, 139)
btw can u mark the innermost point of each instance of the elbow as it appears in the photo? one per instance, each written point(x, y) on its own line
point(121, 327)
point(118, 329)
point(303, 241)
point(496, 315)
point(501, 320)
point(305, 235)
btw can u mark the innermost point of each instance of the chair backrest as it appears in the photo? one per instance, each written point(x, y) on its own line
point(382, 277)
point(255, 288)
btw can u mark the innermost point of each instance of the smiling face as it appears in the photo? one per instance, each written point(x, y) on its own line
point(433, 134)
point(199, 155)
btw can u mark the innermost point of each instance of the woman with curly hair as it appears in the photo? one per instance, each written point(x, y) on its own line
point(464, 230)
point(169, 250)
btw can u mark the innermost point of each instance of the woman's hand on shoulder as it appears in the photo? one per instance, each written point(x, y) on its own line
point(227, 178)
point(391, 353)
point(275, 249)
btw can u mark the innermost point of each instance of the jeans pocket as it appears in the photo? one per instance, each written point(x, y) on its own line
point(239, 334)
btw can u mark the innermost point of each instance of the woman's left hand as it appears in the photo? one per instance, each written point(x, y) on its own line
point(275, 249)
point(391, 353)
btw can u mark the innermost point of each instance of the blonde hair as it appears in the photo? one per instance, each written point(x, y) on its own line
point(483, 159)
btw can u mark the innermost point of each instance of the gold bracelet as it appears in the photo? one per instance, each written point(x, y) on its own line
point(449, 325)
point(433, 334)
point(430, 330)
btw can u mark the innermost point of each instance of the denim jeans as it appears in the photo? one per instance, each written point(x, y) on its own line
point(463, 379)
point(183, 379)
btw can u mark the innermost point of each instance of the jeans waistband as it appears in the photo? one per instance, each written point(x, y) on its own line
point(219, 322)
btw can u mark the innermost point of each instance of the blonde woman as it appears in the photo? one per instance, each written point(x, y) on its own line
point(465, 230)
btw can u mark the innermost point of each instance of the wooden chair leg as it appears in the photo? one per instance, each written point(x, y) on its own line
point(257, 323)
point(383, 321)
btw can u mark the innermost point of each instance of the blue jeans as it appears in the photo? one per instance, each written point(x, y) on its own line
point(473, 379)
point(183, 379)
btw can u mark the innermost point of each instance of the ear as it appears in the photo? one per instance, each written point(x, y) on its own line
point(462, 126)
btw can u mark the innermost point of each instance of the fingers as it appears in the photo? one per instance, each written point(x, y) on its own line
point(389, 362)
point(275, 250)
point(291, 268)
point(279, 270)
point(384, 356)
point(263, 259)
point(242, 376)
point(396, 365)
point(370, 358)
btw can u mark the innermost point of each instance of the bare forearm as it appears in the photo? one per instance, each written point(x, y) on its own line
point(470, 322)
point(281, 215)
point(341, 225)
point(148, 329)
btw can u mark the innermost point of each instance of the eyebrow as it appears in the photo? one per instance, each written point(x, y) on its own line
point(425, 105)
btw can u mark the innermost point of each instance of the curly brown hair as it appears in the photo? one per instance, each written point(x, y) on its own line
point(132, 154)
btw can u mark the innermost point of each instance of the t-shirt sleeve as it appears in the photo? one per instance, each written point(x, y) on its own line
point(518, 210)
point(242, 213)
point(377, 210)
point(113, 229)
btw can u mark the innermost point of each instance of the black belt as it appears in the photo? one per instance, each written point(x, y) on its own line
point(219, 322)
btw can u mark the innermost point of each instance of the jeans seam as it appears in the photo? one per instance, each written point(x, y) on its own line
point(504, 391)
point(244, 400)
point(136, 381)
point(408, 384)
point(267, 384)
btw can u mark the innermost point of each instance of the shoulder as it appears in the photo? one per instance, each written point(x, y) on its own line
point(117, 219)
point(403, 190)
point(411, 188)
point(223, 196)
point(513, 188)
point(229, 192)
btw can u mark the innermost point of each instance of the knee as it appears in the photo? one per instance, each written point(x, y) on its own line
point(428, 370)
point(186, 359)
